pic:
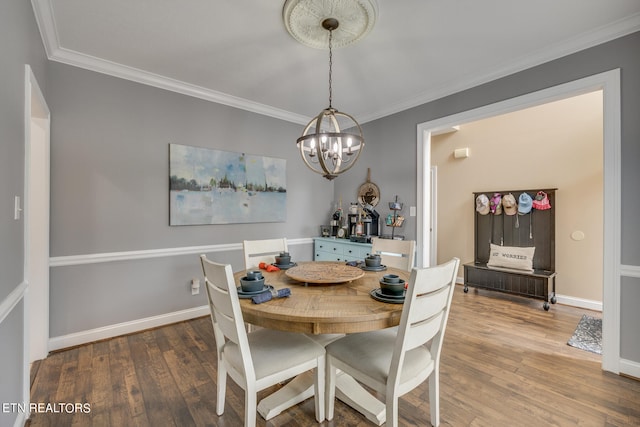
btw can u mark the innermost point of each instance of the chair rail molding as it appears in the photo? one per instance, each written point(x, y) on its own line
point(8, 304)
point(61, 261)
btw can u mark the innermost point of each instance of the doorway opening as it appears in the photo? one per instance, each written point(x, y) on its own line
point(36, 219)
point(609, 83)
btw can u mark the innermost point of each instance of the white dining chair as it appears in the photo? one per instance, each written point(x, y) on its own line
point(257, 251)
point(395, 253)
point(394, 361)
point(259, 359)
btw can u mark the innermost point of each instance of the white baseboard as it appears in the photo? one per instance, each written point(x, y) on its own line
point(91, 335)
point(21, 419)
point(565, 300)
point(629, 367)
point(579, 302)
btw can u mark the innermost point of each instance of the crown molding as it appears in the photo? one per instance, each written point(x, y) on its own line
point(114, 69)
point(584, 41)
point(48, 31)
point(43, 11)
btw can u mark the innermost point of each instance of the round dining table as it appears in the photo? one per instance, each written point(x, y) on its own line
point(321, 302)
point(323, 306)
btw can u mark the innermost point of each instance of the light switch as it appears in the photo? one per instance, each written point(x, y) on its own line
point(16, 208)
point(412, 211)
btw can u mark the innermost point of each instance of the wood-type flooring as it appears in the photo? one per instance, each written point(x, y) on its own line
point(505, 362)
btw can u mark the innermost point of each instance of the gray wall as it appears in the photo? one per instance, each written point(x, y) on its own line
point(109, 167)
point(391, 146)
point(20, 44)
point(109, 193)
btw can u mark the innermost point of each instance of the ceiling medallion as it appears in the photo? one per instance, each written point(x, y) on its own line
point(303, 19)
point(332, 142)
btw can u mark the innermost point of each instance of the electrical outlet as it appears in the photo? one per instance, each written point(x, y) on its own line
point(195, 286)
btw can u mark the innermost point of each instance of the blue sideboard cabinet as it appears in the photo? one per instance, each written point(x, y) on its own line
point(332, 249)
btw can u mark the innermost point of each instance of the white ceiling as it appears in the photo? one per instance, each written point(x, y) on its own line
point(238, 52)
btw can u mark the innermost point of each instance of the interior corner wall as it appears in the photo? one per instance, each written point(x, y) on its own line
point(109, 194)
point(20, 44)
point(555, 145)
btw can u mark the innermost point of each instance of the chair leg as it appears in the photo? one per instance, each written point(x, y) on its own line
point(434, 397)
point(222, 387)
point(250, 406)
point(320, 389)
point(392, 411)
point(330, 388)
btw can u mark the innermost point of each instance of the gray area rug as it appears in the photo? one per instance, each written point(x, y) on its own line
point(588, 335)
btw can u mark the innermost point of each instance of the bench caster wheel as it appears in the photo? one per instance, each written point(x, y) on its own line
point(545, 306)
point(466, 289)
point(553, 299)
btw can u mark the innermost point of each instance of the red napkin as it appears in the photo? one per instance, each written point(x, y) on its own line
point(268, 267)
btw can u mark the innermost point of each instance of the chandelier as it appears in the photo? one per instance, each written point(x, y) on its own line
point(331, 142)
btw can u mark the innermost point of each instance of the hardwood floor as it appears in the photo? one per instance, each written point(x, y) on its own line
point(505, 363)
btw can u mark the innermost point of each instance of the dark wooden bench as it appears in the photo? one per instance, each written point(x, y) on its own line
point(537, 229)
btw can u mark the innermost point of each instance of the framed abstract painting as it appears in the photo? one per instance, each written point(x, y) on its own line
point(222, 187)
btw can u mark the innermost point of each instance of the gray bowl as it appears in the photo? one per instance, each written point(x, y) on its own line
point(254, 275)
point(395, 289)
point(249, 285)
point(283, 260)
point(391, 278)
point(373, 261)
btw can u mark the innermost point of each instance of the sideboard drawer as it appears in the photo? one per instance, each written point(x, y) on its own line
point(327, 249)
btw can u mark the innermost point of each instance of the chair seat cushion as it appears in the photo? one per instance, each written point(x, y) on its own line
point(274, 351)
point(371, 352)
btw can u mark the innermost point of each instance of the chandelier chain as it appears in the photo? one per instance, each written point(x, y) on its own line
point(330, 67)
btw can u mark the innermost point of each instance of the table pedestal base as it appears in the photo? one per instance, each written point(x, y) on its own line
point(300, 389)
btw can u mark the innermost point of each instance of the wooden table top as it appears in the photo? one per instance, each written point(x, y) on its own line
point(324, 308)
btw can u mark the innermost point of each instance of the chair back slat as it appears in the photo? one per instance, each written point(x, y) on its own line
point(257, 251)
point(428, 305)
point(395, 253)
point(422, 332)
point(223, 312)
point(226, 315)
point(425, 312)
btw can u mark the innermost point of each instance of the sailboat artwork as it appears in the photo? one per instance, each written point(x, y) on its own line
point(209, 186)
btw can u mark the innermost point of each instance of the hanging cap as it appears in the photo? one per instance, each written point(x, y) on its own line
point(495, 205)
point(482, 204)
point(524, 204)
point(509, 204)
point(541, 202)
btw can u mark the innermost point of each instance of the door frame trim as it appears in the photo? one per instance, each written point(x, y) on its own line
point(609, 83)
point(37, 295)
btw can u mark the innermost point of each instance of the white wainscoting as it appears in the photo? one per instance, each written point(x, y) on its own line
point(110, 331)
point(82, 337)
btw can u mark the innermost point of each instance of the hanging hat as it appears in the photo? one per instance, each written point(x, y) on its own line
point(524, 204)
point(541, 202)
point(495, 205)
point(482, 204)
point(509, 204)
